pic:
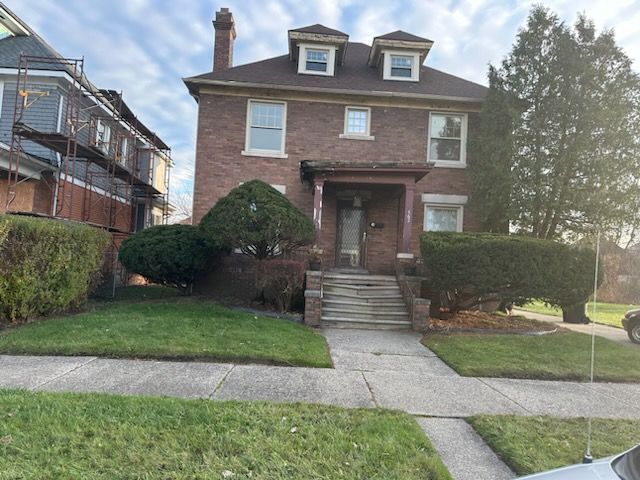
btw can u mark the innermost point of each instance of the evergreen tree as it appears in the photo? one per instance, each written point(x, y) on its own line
point(563, 133)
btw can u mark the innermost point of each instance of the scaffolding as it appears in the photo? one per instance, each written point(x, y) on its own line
point(106, 158)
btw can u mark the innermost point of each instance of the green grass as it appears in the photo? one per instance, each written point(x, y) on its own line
point(561, 356)
point(179, 328)
point(606, 313)
point(534, 444)
point(93, 436)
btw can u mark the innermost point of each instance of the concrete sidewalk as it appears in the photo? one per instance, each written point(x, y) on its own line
point(418, 393)
point(605, 331)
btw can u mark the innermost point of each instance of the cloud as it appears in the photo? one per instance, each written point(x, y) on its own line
point(145, 47)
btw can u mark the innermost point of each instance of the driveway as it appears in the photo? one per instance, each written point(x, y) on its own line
point(612, 333)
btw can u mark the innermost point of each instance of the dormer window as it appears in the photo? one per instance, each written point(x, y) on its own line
point(316, 60)
point(400, 65)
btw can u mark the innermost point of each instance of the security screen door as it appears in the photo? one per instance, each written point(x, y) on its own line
point(351, 238)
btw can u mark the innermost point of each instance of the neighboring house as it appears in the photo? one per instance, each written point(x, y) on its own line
point(68, 149)
point(368, 141)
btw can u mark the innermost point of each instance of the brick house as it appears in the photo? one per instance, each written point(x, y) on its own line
point(365, 139)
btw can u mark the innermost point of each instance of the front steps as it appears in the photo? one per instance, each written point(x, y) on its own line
point(363, 301)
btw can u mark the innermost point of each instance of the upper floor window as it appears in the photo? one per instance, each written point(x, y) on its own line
point(266, 123)
point(315, 60)
point(447, 139)
point(357, 121)
point(103, 136)
point(400, 65)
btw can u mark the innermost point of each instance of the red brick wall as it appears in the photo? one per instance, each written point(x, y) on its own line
point(83, 205)
point(312, 134)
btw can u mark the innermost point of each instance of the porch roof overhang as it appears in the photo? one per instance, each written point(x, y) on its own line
point(381, 173)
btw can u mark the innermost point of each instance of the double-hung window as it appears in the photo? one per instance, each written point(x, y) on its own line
point(447, 139)
point(317, 60)
point(266, 124)
point(401, 66)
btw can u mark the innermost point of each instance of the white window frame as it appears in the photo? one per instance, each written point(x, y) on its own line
point(415, 65)
point(1, 96)
point(457, 202)
point(103, 143)
point(357, 136)
point(248, 151)
point(462, 163)
point(124, 149)
point(302, 59)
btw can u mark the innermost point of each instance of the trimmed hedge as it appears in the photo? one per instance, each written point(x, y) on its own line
point(171, 255)
point(46, 266)
point(516, 269)
point(258, 220)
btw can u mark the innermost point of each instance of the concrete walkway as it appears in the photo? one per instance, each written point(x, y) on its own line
point(606, 331)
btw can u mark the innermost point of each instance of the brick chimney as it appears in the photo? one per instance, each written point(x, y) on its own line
point(224, 37)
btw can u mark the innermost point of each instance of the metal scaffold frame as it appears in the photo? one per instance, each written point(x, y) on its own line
point(102, 164)
point(110, 167)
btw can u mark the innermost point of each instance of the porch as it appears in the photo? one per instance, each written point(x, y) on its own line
point(363, 213)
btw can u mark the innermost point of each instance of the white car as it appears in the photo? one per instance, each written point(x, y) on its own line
point(625, 466)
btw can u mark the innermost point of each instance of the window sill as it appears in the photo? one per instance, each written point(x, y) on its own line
point(249, 153)
point(447, 164)
point(348, 136)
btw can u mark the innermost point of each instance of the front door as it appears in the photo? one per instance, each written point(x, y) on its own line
point(351, 236)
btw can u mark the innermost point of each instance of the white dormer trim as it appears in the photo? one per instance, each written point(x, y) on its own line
point(302, 58)
point(415, 65)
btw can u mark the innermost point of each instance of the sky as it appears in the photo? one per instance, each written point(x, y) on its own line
point(145, 47)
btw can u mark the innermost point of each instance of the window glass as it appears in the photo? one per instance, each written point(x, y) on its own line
point(442, 219)
point(266, 126)
point(401, 66)
point(446, 137)
point(317, 60)
point(357, 121)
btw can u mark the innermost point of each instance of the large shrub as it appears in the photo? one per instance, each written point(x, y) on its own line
point(46, 266)
point(258, 220)
point(281, 281)
point(514, 268)
point(171, 255)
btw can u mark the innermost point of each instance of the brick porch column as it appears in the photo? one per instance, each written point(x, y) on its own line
point(407, 217)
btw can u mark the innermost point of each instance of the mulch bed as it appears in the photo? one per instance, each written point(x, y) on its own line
point(491, 323)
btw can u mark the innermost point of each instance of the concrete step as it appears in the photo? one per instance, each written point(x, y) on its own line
point(361, 290)
point(365, 315)
point(364, 280)
point(360, 306)
point(375, 299)
point(341, 322)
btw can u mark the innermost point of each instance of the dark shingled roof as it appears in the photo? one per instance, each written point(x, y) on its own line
point(403, 37)
point(319, 29)
point(355, 74)
point(12, 47)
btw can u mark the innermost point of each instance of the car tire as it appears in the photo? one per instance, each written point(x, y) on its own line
point(634, 331)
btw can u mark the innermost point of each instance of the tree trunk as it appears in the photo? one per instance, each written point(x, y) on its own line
point(575, 314)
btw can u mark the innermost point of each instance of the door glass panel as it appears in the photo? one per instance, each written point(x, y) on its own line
point(351, 238)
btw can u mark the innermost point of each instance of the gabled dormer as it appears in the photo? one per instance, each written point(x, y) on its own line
point(317, 49)
point(399, 55)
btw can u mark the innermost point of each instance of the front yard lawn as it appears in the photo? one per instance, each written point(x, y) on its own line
point(179, 328)
point(534, 444)
point(606, 313)
point(94, 436)
point(560, 356)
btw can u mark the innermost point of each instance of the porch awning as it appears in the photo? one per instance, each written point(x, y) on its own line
point(363, 172)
